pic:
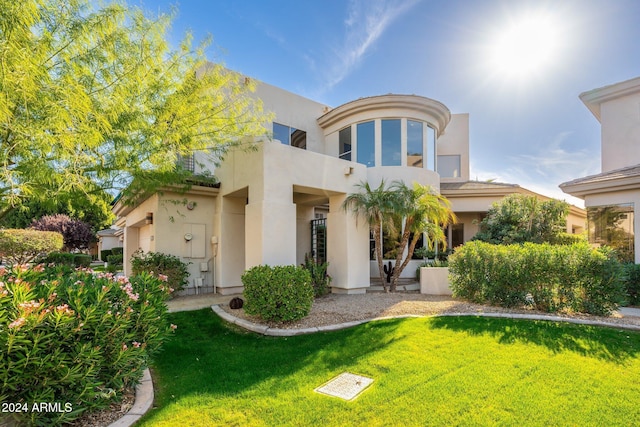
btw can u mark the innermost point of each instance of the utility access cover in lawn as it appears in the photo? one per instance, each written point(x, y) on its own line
point(345, 386)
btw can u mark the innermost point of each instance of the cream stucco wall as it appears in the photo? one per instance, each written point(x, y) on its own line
point(455, 141)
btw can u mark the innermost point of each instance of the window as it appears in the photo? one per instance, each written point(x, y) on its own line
point(414, 144)
point(613, 226)
point(449, 166)
point(431, 148)
point(344, 143)
point(366, 143)
point(289, 135)
point(391, 143)
point(186, 162)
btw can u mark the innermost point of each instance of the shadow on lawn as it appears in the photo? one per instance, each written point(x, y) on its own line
point(210, 356)
point(603, 343)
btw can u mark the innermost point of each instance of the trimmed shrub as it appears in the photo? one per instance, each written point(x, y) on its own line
point(21, 246)
point(58, 258)
point(168, 265)
point(114, 262)
point(75, 337)
point(320, 280)
point(82, 260)
point(104, 254)
point(117, 250)
point(550, 277)
point(279, 293)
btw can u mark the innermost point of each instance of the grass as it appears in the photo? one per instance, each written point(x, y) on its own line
point(427, 371)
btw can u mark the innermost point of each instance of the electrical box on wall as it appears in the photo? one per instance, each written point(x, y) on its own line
point(194, 245)
point(204, 266)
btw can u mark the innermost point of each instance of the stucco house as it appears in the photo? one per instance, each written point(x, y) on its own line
point(612, 195)
point(283, 200)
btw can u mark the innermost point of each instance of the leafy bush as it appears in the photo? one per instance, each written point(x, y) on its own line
point(320, 280)
point(632, 283)
point(280, 293)
point(114, 262)
point(550, 277)
point(168, 265)
point(66, 258)
point(104, 254)
point(117, 250)
point(76, 234)
point(21, 246)
point(76, 337)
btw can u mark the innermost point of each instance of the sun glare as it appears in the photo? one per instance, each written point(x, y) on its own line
point(527, 46)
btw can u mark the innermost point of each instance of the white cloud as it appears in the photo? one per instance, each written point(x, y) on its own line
point(545, 170)
point(365, 23)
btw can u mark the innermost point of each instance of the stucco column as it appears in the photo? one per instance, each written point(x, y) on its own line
point(130, 245)
point(347, 249)
point(270, 233)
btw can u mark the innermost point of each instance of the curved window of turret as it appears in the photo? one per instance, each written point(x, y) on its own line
point(365, 147)
point(431, 148)
point(391, 146)
point(344, 138)
point(415, 144)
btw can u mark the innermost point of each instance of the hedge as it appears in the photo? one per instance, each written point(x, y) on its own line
point(548, 277)
point(279, 293)
point(168, 265)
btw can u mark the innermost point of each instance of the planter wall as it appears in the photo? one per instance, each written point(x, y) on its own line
point(435, 281)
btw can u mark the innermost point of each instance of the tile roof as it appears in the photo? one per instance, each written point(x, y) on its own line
point(626, 172)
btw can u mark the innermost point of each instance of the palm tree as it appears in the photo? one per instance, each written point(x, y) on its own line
point(424, 212)
point(375, 206)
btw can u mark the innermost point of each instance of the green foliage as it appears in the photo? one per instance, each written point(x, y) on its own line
point(94, 209)
point(171, 266)
point(58, 258)
point(114, 262)
point(20, 246)
point(104, 253)
point(280, 293)
point(632, 283)
point(550, 277)
point(101, 101)
point(117, 251)
point(404, 213)
point(519, 218)
point(320, 280)
point(82, 260)
point(75, 337)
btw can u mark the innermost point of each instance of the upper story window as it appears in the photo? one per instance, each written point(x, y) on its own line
point(391, 145)
point(366, 146)
point(415, 144)
point(344, 143)
point(186, 162)
point(420, 143)
point(289, 135)
point(449, 166)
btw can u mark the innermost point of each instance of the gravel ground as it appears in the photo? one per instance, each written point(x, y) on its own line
point(334, 308)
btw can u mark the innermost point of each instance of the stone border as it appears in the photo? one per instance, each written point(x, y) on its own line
point(143, 402)
point(276, 332)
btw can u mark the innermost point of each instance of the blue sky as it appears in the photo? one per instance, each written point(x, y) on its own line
point(527, 124)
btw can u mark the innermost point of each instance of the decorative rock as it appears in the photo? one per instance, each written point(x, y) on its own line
point(236, 303)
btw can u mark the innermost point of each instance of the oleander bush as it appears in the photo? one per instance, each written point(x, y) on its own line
point(278, 293)
point(552, 278)
point(174, 268)
point(75, 337)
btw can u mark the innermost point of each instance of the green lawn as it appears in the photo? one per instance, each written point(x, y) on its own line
point(427, 371)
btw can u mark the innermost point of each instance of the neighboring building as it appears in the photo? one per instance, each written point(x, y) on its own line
point(108, 239)
point(277, 203)
point(612, 195)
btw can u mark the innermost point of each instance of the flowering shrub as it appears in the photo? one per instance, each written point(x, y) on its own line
point(279, 293)
point(75, 338)
point(171, 266)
